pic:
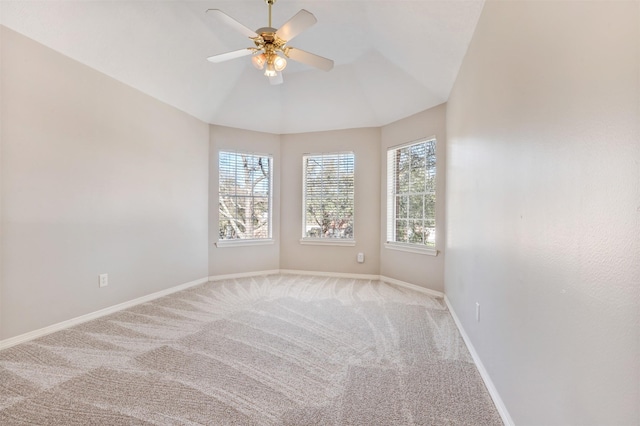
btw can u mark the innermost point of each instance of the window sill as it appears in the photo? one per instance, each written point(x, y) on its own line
point(327, 242)
point(242, 243)
point(412, 248)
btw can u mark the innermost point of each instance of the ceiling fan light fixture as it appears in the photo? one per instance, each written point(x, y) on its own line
point(279, 63)
point(271, 51)
point(258, 61)
point(270, 71)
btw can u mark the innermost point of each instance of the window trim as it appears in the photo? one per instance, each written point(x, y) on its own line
point(237, 242)
point(312, 241)
point(411, 248)
point(391, 213)
point(327, 241)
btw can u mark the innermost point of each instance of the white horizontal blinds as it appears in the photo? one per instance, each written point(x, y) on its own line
point(244, 196)
point(328, 195)
point(411, 193)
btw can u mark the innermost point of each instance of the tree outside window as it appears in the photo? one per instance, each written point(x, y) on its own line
point(328, 195)
point(244, 196)
point(411, 193)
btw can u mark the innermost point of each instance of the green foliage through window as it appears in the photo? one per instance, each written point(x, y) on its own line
point(411, 193)
point(328, 195)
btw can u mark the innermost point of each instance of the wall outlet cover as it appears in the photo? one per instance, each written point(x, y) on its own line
point(103, 280)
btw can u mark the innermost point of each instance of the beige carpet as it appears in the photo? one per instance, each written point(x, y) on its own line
point(278, 349)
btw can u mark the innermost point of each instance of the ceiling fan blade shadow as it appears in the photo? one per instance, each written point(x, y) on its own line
point(297, 24)
point(309, 59)
point(277, 79)
point(233, 23)
point(230, 55)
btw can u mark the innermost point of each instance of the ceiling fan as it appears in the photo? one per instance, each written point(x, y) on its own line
point(271, 47)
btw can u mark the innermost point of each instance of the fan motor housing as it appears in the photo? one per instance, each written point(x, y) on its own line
point(267, 33)
point(268, 37)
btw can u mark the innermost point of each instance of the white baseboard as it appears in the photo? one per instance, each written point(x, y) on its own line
point(243, 275)
point(387, 280)
point(411, 286)
point(493, 392)
point(12, 341)
point(330, 274)
point(495, 396)
point(365, 277)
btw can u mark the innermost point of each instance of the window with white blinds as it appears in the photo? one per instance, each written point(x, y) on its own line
point(328, 196)
point(244, 196)
point(411, 194)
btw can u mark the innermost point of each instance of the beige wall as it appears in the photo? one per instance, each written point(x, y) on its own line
point(234, 260)
point(96, 178)
point(369, 146)
point(420, 269)
point(542, 207)
point(365, 145)
point(2, 108)
point(99, 178)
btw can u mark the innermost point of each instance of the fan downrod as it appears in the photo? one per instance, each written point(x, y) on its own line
point(270, 3)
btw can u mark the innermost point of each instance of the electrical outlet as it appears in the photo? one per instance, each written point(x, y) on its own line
point(360, 258)
point(103, 280)
point(477, 311)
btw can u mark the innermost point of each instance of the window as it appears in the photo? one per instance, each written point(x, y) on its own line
point(328, 196)
point(411, 195)
point(244, 196)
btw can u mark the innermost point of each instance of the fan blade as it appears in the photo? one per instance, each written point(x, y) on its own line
point(297, 24)
point(230, 55)
point(233, 23)
point(277, 79)
point(309, 59)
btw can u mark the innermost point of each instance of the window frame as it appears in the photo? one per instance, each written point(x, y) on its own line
point(327, 241)
point(255, 241)
point(391, 176)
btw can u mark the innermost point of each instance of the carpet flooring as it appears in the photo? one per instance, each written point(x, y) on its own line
point(268, 350)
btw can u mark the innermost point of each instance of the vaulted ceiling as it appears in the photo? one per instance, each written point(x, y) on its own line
point(392, 58)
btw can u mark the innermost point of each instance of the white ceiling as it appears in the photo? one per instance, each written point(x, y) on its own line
point(392, 58)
